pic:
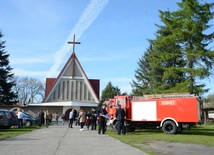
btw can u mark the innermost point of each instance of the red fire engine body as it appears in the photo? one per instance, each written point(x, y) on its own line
point(170, 112)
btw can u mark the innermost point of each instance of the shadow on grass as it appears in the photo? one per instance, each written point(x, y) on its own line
point(193, 131)
point(199, 131)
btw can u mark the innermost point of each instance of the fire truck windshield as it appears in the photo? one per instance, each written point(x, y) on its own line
point(120, 101)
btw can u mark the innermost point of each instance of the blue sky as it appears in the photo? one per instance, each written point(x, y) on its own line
point(113, 36)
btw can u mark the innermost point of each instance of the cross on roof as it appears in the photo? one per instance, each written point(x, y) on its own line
point(73, 42)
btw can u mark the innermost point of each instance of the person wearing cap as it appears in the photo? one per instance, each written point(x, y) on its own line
point(102, 120)
point(120, 114)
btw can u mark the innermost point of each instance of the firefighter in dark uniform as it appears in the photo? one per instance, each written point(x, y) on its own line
point(102, 120)
point(120, 114)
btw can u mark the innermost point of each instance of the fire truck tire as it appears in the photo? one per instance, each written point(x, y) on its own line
point(169, 127)
point(116, 126)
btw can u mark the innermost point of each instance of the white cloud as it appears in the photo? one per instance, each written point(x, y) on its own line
point(91, 12)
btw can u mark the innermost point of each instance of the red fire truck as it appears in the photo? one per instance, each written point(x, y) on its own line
point(170, 112)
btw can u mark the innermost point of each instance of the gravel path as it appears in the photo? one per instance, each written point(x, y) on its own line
point(174, 148)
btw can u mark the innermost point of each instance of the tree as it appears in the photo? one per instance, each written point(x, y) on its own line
point(180, 56)
point(209, 101)
point(144, 83)
point(188, 26)
point(7, 96)
point(166, 60)
point(29, 90)
point(109, 92)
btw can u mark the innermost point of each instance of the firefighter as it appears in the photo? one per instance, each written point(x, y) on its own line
point(102, 120)
point(120, 114)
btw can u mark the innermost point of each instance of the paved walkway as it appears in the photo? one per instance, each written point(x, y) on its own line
point(61, 140)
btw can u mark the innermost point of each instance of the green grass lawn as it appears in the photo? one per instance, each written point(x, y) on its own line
point(12, 132)
point(203, 134)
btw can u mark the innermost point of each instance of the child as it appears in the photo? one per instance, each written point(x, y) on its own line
point(87, 122)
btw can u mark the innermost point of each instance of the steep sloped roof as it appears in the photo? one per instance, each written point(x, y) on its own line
point(72, 70)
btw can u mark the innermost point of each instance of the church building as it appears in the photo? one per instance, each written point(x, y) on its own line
point(71, 89)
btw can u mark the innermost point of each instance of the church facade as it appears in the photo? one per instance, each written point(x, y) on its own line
point(71, 89)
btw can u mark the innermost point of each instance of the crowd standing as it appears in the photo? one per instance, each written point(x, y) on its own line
point(88, 119)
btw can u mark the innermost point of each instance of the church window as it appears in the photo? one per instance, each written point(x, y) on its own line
point(63, 90)
point(68, 88)
point(85, 92)
point(76, 94)
point(80, 90)
point(89, 95)
point(59, 91)
point(54, 95)
point(72, 90)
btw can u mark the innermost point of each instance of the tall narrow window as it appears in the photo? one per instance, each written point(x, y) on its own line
point(63, 90)
point(89, 95)
point(76, 90)
point(72, 90)
point(68, 88)
point(80, 90)
point(54, 95)
point(85, 92)
point(59, 91)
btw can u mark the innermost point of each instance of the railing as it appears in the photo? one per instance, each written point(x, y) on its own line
point(156, 96)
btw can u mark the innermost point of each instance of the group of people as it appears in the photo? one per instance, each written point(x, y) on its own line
point(90, 118)
point(82, 118)
point(45, 118)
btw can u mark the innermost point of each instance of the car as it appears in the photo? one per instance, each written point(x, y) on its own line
point(8, 119)
point(29, 120)
point(3, 120)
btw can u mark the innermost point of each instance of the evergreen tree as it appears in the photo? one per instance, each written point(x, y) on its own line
point(144, 83)
point(109, 92)
point(167, 61)
point(180, 56)
point(193, 20)
point(7, 96)
point(209, 101)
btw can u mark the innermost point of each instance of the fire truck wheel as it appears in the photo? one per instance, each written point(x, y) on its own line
point(169, 127)
point(116, 126)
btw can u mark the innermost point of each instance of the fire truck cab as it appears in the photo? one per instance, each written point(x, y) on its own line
point(169, 112)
